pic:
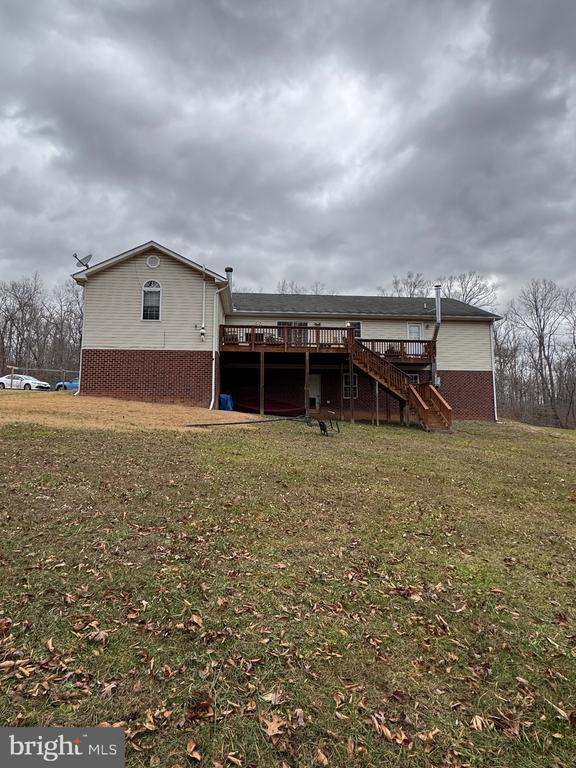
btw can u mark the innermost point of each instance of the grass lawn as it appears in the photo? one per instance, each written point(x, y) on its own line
point(266, 596)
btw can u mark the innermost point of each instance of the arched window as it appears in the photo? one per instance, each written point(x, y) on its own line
point(151, 300)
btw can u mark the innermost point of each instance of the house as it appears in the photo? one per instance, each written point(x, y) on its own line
point(158, 326)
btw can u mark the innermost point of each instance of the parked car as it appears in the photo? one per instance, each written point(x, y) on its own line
point(72, 384)
point(20, 381)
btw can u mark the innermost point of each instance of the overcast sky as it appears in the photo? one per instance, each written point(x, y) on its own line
point(339, 140)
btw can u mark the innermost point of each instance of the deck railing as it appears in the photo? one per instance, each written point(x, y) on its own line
point(277, 338)
point(280, 338)
point(402, 351)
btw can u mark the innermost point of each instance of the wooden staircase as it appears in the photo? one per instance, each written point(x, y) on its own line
point(423, 400)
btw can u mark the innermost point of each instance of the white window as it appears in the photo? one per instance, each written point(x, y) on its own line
point(151, 294)
point(356, 326)
point(414, 378)
point(414, 331)
point(346, 386)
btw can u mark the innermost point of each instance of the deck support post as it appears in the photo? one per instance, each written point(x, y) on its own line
point(307, 383)
point(376, 396)
point(403, 413)
point(351, 379)
point(262, 383)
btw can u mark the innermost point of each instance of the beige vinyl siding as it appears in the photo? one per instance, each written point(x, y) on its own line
point(371, 329)
point(394, 329)
point(464, 346)
point(113, 307)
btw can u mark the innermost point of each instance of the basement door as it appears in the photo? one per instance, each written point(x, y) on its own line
point(314, 393)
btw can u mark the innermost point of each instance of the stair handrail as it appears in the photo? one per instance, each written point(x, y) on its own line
point(443, 408)
point(391, 374)
point(416, 402)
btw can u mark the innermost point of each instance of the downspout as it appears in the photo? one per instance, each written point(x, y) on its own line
point(493, 369)
point(214, 341)
point(203, 326)
point(438, 305)
point(82, 339)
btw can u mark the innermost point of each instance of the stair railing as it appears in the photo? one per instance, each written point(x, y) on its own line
point(389, 374)
point(441, 405)
point(416, 402)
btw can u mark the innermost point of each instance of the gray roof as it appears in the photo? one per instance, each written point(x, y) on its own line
point(353, 306)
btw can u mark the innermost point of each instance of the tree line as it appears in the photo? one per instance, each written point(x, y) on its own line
point(535, 342)
point(40, 328)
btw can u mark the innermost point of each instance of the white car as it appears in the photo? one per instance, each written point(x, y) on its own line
point(19, 381)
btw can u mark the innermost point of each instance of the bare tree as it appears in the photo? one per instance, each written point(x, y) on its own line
point(316, 288)
point(320, 289)
point(540, 312)
point(289, 286)
point(469, 287)
point(412, 285)
point(40, 330)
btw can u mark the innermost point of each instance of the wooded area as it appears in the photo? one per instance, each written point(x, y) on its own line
point(535, 347)
point(535, 342)
point(40, 329)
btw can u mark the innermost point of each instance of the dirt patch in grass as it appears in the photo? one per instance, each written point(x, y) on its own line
point(270, 597)
point(63, 409)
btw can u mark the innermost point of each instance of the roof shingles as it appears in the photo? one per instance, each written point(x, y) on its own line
point(353, 306)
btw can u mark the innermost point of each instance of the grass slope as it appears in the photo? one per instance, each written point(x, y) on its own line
point(270, 597)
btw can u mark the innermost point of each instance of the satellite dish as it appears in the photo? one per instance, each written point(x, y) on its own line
point(82, 262)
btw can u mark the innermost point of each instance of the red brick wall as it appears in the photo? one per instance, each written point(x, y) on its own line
point(145, 374)
point(185, 376)
point(283, 390)
point(470, 393)
point(284, 393)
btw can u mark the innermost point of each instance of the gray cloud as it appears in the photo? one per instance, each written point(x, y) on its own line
point(343, 140)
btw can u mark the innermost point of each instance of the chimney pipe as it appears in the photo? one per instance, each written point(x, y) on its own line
point(438, 304)
point(229, 271)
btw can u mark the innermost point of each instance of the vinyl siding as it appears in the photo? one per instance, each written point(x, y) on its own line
point(371, 329)
point(113, 307)
point(462, 345)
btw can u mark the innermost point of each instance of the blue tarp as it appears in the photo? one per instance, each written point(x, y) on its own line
point(226, 403)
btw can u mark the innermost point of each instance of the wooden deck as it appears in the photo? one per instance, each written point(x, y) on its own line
point(273, 338)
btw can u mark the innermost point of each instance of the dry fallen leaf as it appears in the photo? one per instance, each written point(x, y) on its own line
point(199, 709)
point(192, 752)
point(479, 723)
point(273, 727)
point(274, 696)
point(321, 758)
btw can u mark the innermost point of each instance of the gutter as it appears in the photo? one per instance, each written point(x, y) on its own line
point(365, 316)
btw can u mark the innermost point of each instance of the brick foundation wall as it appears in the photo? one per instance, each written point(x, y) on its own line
point(284, 393)
point(470, 393)
point(172, 376)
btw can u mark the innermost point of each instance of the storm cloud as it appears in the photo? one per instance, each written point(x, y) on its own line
point(335, 140)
